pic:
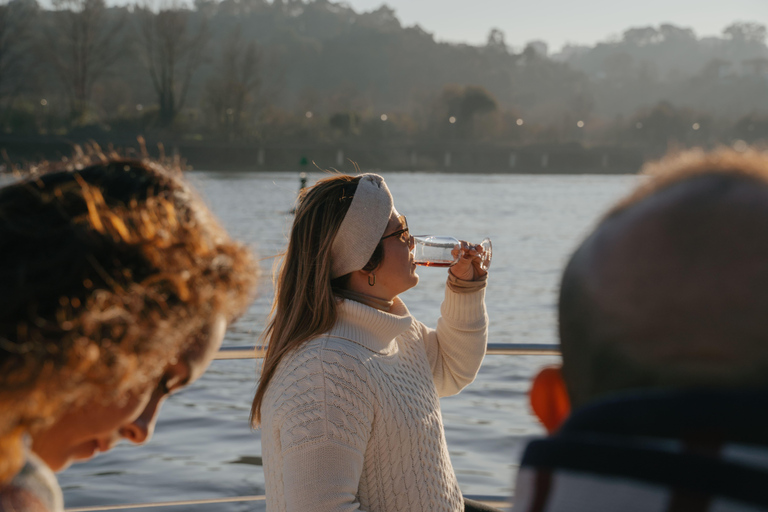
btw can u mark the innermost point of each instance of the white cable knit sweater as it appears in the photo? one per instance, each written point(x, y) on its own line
point(351, 420)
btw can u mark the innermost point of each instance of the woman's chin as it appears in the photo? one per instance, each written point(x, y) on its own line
point(82, 453)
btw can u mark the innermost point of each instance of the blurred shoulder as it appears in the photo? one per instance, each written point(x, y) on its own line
point(33, 489)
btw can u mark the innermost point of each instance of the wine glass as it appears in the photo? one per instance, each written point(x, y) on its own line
point(438, 251)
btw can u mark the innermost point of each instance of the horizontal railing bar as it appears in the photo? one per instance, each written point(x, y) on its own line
point(494, 501)
point(523, 349)
point(242, 352)
point(494, 349)
point(210, 501)
point(503, 502)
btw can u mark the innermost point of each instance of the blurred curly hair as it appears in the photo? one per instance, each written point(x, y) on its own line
point(110, 268)
point(677, 166)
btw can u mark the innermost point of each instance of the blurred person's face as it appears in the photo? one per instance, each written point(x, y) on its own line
point(96, 427)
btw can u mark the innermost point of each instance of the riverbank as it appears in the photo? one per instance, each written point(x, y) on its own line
point(567, 158)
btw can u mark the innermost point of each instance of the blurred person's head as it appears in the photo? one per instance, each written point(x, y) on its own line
point(117, 287)
point(670, 290)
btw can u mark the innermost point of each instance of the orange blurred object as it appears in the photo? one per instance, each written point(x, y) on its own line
point(549, 398)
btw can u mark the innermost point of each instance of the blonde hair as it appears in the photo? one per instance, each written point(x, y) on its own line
point(683, 165)
point(109, 271)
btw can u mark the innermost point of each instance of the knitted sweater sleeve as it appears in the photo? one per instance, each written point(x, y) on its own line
point(456, 348)
point(323, 435)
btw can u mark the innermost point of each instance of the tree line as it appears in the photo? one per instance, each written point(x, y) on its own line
point(313, 71)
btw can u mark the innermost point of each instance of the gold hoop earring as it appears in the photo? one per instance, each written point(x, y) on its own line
point(371, 283)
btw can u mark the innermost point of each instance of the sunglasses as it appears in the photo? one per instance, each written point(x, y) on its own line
point(403, 233)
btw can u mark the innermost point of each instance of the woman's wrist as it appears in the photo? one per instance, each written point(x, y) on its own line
point(458, 285)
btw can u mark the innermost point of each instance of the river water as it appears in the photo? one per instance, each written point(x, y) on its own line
point(203, 446)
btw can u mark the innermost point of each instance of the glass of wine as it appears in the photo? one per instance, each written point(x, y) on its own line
point(441, 251)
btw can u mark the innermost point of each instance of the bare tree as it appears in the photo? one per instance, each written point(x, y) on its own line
point(172, 51)
point(83, 43)
point(230, 95)
point(15, 40)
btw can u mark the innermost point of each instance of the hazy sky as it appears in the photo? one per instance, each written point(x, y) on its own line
point(564, 21)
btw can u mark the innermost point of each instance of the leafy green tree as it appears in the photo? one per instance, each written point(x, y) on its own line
point(458, 106)
point(671, 33)
point(746, 31)
point(497, 41)
point(752, 128)
point(665, 125)
point(345, 123)
point(641, 36)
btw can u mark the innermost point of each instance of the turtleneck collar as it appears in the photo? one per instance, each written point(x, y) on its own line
point(368, 300)
point(374, 329)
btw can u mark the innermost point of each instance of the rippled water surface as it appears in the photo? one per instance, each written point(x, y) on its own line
point(203, 446)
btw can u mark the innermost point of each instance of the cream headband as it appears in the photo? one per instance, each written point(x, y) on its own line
point(362, 227)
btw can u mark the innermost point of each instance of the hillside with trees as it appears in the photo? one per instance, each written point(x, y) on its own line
point(314, 73)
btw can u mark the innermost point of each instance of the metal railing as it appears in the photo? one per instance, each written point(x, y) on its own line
point(494, 349)
point(258, 352)
point(493, 501)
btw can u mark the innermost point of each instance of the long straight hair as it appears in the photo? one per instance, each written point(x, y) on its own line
point(305, 305)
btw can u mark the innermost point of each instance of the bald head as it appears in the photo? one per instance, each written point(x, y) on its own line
point(671, 289)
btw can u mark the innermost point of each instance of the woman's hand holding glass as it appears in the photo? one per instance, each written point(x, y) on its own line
point(471, 261)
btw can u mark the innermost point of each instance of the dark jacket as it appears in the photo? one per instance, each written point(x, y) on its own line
point(656, 451)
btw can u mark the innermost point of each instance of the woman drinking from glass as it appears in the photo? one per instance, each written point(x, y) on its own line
point(348, 399)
